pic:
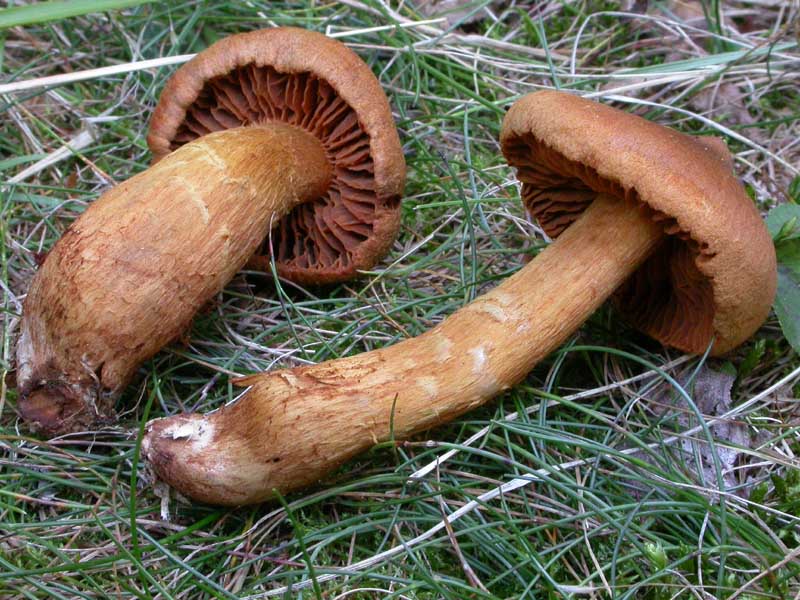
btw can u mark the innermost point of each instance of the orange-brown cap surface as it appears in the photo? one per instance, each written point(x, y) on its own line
point(308, 80)
point(714, 276)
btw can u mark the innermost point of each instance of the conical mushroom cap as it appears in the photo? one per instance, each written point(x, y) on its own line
point(714, 277)
point(308, 80)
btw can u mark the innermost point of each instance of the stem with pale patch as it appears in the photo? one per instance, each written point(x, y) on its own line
point(132, 271)
point(295, 425)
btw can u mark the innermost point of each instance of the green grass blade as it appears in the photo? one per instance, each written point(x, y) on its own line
point(56, 10)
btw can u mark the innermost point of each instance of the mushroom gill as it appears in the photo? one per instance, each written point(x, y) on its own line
point(319, 235)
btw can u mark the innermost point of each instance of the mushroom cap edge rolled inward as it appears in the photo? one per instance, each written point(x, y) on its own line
point(646, 189)
point(130, 273)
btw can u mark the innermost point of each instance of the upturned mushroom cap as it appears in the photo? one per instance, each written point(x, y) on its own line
point(310, 81)
point(714, 276)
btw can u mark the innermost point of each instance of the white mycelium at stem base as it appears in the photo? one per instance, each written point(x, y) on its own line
point(295, 425)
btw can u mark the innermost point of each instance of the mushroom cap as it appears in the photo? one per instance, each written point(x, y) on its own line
point(311, 81)
point(715, 274)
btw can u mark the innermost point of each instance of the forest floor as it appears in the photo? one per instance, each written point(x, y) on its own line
point(619, 490)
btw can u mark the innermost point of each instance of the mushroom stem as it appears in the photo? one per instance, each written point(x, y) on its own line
point(132, 271)
point(295, 425)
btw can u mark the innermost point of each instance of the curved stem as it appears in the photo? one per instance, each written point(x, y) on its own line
point(295, 425)
point(132, 271)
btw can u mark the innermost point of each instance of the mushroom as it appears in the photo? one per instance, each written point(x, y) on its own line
point(280, 127)
point(643, 213)
point(316, 84)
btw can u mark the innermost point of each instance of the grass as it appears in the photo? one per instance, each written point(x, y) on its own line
point(587, 480)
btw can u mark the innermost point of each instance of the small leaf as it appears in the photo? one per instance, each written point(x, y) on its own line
point(788, 252)
point(783, 222)
point(788, 230)
point(787, 306)
point(658, 557)
point(787, 300)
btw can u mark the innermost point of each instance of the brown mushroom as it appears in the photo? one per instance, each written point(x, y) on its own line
point(639, 209)
point(256, 126)
point(314, 83)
